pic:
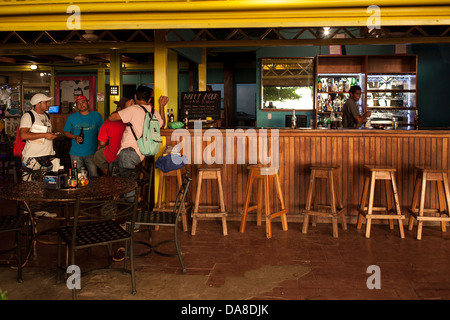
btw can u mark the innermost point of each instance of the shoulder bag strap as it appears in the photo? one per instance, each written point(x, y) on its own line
point(131, 125)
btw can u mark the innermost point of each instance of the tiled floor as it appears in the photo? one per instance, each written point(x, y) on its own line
point(242, 266)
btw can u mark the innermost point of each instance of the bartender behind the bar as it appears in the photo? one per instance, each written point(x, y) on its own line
point(350, 113)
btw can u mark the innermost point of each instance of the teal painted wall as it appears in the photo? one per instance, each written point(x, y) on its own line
point(433, 77)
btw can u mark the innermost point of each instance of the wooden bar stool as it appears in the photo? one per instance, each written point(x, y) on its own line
point(167, 205)
point(263, 175)
point(387, 174)
point(213, 174)
point(422, 177)
point(335, 209)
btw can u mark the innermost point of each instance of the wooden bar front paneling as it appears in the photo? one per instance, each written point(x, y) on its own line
point(350, 149)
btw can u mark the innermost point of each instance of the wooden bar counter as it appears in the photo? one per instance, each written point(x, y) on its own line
point(349, 149)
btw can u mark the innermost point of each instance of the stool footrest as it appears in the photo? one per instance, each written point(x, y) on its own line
point(416, 211)
point(325, 214)
point(277, 214)
point(209, 215)
point(385, 216)
point(422, 218)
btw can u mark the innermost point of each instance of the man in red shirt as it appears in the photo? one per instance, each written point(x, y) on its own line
point(109, 139)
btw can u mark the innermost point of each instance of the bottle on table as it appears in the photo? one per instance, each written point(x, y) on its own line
point(171, 117)
point(74, 176)
point(81, 136)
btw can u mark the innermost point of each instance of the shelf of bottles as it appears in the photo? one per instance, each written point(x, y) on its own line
point(392, 96)
point(332, 93)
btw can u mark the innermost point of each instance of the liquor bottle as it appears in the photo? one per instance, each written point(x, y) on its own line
point(416, 120)
point(335, 87)
point(186, 119)
point(346, 86)
point(171, 117)
point(293, 120)
point(69, 178)
point(81, 136)
point(319, 104)
point(319, 86)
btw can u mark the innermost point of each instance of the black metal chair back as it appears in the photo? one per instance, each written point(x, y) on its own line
point(161, 218)
point(98, 222)
point(15, 223)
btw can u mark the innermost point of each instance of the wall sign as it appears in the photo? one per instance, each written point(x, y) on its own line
point(201, 104)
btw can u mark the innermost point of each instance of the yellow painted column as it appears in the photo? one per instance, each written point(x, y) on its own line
point(172, 76)
point(115, 77)
point(202, 72)
point(52, 82)
point(101, 89)
point(160, 87)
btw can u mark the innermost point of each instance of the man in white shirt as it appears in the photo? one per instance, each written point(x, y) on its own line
point(38, 149)
point(129, 155)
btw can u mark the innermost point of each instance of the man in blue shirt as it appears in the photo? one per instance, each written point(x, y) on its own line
point(83, 149)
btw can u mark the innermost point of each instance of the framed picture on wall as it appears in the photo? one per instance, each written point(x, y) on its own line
point(68, 88)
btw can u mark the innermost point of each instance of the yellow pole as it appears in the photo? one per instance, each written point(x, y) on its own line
point(161, 86)
point(202, 72)
point(115, 77)
point(172, 76)
point(101, 89)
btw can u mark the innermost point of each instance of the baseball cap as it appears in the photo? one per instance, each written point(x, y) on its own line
point(39, 97)
point(80, 98)
point(121, 102)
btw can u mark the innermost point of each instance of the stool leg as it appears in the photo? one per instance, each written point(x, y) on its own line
point(160, 189)
point(397, 205)
point(308, 202)
point(197, 202)
point(363, 202)
point(333, 204)
point(247, 200)
point(339, 201)
point(267, 204)
point(259, 204)
point(447, 191)
point(441, 198)
point(222, 203)
point(280, 198)
point(370, 206)
point(389, 203)
point(417, 185)
point(421, 205)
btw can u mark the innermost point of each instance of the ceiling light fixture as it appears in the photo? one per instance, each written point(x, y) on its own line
point(33, 66)
point(326, 31)
point(89, 36)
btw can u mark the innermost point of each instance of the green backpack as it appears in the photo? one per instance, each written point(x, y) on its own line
point(150, 142)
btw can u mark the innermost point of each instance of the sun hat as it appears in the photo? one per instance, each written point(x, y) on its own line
point(39, 97)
